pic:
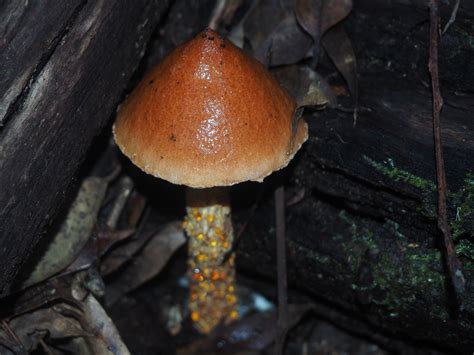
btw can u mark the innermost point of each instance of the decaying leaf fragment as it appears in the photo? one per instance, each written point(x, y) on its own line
point(149, 261)
point(106, 339)
point(99, 244)
point(288, 33)
point(273, 34)
point(339, 48)
point(286, 44)
point(258, 24)
point(64, 318)
point(306, 86)
point(318, 16)
point(322, 20)
point(23, 334)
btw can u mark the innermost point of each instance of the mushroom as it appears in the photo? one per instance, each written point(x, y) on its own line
point(209, 116)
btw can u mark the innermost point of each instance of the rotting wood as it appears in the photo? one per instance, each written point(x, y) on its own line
point(363, 239)
point(65, 66)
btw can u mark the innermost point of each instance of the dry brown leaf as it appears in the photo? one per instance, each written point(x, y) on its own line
point(23, 333)
point(122, 254)
point(317, 16)
point(106, 339)
point(62, 316)
point(286, 44)
point(100, 243)
point(338, 46)
point(274, 36)
point(148, 262)
point(305, 85)
point(263, 17)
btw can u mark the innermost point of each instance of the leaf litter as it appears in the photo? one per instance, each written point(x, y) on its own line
point(56, 310)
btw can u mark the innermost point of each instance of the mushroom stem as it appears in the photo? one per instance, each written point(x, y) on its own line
point(208, 224)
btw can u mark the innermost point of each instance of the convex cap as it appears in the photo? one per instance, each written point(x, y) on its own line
point(209, 115)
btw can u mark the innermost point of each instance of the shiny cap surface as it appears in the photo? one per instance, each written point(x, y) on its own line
point(209, 115)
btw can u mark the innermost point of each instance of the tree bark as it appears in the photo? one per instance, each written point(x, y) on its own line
point(65, 65)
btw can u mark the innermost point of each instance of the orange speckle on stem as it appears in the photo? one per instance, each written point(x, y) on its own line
point(198, 277)
point(231, 299)
point(195, 316)
point(201, 257)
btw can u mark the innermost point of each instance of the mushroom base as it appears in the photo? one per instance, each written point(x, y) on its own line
point(211, 270)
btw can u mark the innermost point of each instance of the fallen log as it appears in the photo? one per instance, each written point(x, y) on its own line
point(65, 65)
point(361, 216)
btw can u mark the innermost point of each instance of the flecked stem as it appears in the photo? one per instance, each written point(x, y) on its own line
point(208, 224)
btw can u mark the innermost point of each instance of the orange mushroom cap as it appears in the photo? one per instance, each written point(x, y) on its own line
point(209, 115)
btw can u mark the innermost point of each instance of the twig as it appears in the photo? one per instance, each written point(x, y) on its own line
point(452, 18)
point(452, 262)
point(10, 332)
point(113, 174)
point(217, 14)
point(45, 347)
point(125, 188)
point(282, 322)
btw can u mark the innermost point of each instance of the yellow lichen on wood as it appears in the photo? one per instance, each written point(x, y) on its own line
point(212, 277)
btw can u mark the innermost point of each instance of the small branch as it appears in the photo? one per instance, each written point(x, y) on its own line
point(452, 18)
point(125, 188)
point(45, 347)
point(282, 322)
point(11, 333)
point(452, 262)
point(217, 14)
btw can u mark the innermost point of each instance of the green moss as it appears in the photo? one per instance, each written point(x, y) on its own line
point(397, 279)
point(465, 248)
point(403, 281)
point(310, 254)
point(362, 240)
point(388, 168)
point(462, 202)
